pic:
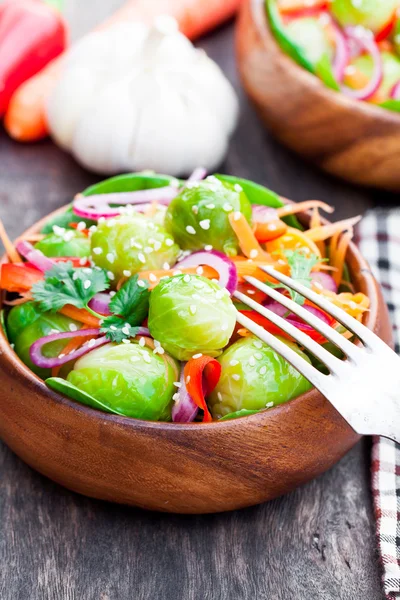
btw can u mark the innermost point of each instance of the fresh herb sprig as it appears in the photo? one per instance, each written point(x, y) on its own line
point(301, 265)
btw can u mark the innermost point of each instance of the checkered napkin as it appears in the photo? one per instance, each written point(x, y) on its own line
point(378, 238)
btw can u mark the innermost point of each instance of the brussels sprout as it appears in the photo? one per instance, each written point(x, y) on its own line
point(191, 314)
point(128, 378)
point(20, 317)
point(199, 216)
point(391, 71)
point(309, 34)
point(254, 377)
point(372, 14)
point(46, 324)
point(65, 242)
point(132, 244)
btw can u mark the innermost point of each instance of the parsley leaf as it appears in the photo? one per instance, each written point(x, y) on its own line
point(300, 265)
point(63, 284)
point(130, 307)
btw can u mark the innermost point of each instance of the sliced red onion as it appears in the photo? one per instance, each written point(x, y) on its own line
point(197, 175)
point(225, 268)
point(280, 310)
point(99, 205)
point(364, 41)
point(185, 409)
point(49, 363)
point(325, 280)
point(100, 303)
point(33, 256)
point(264, 214)
point(395, 91)
point(342, 50)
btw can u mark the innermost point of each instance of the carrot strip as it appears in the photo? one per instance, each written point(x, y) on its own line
point(79, 314)
point(294, 239)
point(26, 120)
point(326, 231)
point(292, 209)
point(316, 222)
point(8, 245)
point(340, 255)
point(246, 238)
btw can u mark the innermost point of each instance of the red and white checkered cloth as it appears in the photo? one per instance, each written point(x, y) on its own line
point(378, 238)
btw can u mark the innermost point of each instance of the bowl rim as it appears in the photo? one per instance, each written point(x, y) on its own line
point(34, 381)
point(260, 19)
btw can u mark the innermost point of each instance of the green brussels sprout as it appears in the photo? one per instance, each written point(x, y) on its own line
point(391, 70)
point(128, 378)
point(190, 314)
point(310, 35)
point(128, 244)
point(20, 317)
point(46, 324)
point(64, 242)
point(254, 377)
point(371, 14)
point(199, 216)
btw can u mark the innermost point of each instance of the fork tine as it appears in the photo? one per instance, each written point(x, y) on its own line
point(333, 363)
point(330, 334)
point(318, 379)
point(362, 332)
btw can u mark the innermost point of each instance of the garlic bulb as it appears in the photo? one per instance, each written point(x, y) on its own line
point(135, 97)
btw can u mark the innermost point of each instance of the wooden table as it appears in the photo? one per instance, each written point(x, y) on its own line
point(316, 543)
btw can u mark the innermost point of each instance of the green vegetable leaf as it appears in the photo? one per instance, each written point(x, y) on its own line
point(300, 265)
point(323, 69)
point(64, 219)
point(65, 387)
point(130, 307)
point(63, 284)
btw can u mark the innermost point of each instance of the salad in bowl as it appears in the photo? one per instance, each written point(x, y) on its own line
point(125, 300)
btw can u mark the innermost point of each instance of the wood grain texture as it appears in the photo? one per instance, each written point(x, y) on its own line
point(354, 140)
point(316, 543)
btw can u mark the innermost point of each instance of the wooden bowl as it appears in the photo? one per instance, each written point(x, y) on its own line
point(194, 468)
point(355, 140)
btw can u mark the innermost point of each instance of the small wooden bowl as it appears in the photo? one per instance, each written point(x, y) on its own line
point(194, 468)
point(355, 140)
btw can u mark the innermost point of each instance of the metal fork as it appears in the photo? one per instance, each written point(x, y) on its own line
point(364, 388)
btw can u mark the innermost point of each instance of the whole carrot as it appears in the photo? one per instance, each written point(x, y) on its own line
point(25, 119)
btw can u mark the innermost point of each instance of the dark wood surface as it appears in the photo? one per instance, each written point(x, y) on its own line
point(316, 543)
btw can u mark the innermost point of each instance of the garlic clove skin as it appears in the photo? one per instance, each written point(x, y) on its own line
point(134, 97)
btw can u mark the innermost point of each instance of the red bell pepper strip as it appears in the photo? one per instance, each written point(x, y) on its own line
point(19, 277)
point(386, 29)
point(31, 35)
point(202, 375)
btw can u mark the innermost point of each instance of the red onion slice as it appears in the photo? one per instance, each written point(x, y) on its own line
point(33, 256)
point(395, 91)
point(185, 409)
point(364, 40)
point(264, 214)
point(280, 310)
point(100, 304)
point(225, 268)
point(99, 205)
point(324, 280)
point(342, 51)
point(197, 175)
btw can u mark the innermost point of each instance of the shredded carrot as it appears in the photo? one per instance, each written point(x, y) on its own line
point(73, 344)
point(79, 314)
point(246, 238)
point(354, 304)
point(333, 246)
point(294, 239)
point(33, 237)
point(340, 255)
point(8, 245)
point(316, 222)
point(24, 298)
point(326, 231)
point(385, 46)
point(292, 209)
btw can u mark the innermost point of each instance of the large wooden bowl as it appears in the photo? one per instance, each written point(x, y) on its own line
point(355, 140)
point(195, 468)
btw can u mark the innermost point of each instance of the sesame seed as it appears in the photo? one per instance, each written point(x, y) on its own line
point(126, 273)
point(199, 270)
point(195, 209)
point(141, 283)
point(62, 354)
point(166, 266)
point(205, 224)
point(110, 257)
point(271, 226)
point(190, 230)
point(252, 361)
point(253, 253)
point(159, 350)
point(176, 272)
point(186, 278)
point(86, 284)
point(157, 245)
point(219, 395)
point(82, 261)
point(81, 226)
point(97, 250)
point(193, 309)
point(73, 327)
point(58, 230)
point(251, 292)
point(237, 215)
point(126, 330)
point(269, 405)
point(227, 207)
point(257, 344)
point(176, 397)
point(112, 294)
point(75, 275)
point(91, 343)
point(146, 358)
point(142, 342)
point(152, 277)
point(237, 188)
point(177, 384)
point(148, 250)
point(258, 355)
point(188, 379)
point(210, 206)
point(110, 275)
point(199, 355)
point(208, 248)
point(236, 377)
point(169, 242)
point(263, 370)
point(101, 220)
point(113, 328)
point(141, 257)
point(125, 341)
point(68, 236)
